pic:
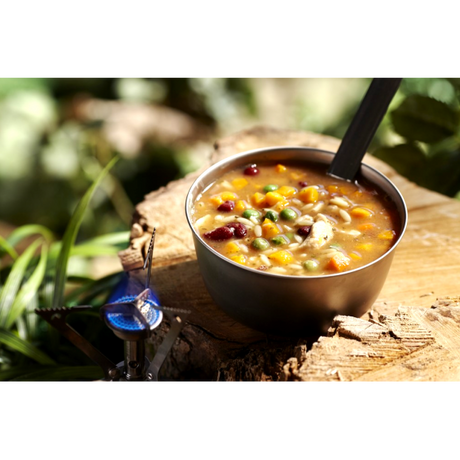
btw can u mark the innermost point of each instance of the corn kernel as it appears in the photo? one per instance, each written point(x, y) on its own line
point(280, 168)
point(338, 262)
point(240, 206)
point(309, 195)
point(387, 235)
point(364, 246)
point(232, 248)
point(240, 259)
point(269, 229)
point(332, 189)
point(366, 227)
point(216, 200)
point(239, 183)
point(273, 197)
point(281, 205)
point(361, 213)
point(286, 191)
point(282, 257)
point(258, 199)
point(228, 196)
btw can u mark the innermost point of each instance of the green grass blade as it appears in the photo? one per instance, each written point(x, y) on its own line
point(27, 230)
point(59, 374)
point(70, 236)
point(16, 371)
point(14, 280)
point(7, 248)
point(14, 342)
point(112, 239)
point(110, 244)
point(28, 290)
point(88, 291)
point(101, 245)
point(93, 250)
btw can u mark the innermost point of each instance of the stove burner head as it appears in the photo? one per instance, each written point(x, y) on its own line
point(133, 317)
point(128, 322)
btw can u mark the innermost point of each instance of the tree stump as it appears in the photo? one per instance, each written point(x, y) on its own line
point(401, 338)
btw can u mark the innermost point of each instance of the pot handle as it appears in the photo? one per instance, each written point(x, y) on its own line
point(347, 160)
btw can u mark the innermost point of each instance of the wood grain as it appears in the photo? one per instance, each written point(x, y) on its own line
point(425, 267)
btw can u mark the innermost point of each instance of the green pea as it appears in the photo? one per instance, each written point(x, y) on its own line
point(311, 265)
point(248, 213)
point(288, 214)
point(261, 244)
point(279, 240)
point(270, 188)
point(272, 215)
point(290, 235)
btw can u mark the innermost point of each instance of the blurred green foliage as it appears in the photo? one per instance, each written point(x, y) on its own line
point(40, 277)
point(56, 135)
point(52, 145)
point(426, 125)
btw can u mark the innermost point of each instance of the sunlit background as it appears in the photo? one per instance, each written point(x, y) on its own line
point(57, 134)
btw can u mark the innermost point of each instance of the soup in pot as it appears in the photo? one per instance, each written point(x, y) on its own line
point(294, 219)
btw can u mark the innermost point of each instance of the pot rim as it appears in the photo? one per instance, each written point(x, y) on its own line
point(227, 160)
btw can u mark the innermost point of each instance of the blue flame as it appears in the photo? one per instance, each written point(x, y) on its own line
point(130, 287)
point(126, 291)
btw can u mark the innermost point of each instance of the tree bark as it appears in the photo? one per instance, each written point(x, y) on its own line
point(401, 338)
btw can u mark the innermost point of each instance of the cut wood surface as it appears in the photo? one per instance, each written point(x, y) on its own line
point(214, 346)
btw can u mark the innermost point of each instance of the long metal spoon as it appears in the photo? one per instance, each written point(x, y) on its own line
point(347, 160)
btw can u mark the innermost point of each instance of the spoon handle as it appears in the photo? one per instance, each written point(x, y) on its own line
point(347, 160)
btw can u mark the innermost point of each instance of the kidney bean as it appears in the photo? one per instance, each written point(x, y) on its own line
point(226, 206)
point(240, 230)
point(251, 170)
point(221, 233)
point(304, 231)
point(303, 184)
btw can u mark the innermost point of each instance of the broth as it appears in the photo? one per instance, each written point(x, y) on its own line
point(294, 219)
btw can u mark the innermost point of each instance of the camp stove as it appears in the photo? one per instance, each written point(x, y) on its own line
point(132, 316)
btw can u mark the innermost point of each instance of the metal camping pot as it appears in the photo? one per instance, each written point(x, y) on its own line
point(283, 304)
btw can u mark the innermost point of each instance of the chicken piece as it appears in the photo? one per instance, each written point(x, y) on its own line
point(321, 233)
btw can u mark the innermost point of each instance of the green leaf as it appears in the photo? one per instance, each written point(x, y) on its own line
point(443, 172)
point(29, 290)
point(14, 342)
point(455, 82)
point(439, 170)
point(14, 280)
point(425, 119)
point(70, 236)
point(408, 159)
